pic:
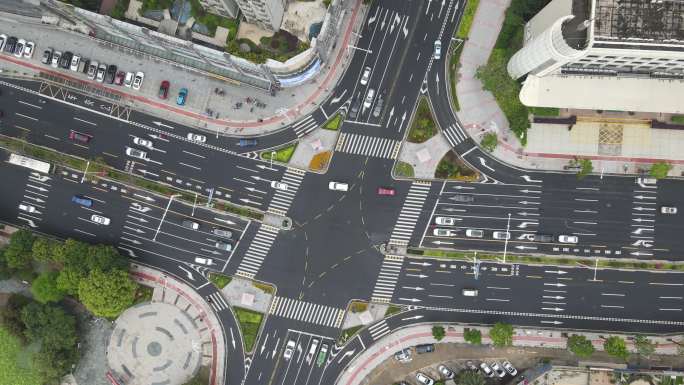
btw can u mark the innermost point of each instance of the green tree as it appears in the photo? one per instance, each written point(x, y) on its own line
point(18, 253)
point(11, 315)
point(586, 167)
point(104, 258)
point(69, 279)
point(107, 294)
point(470, 377)
point(501, 334)
point(72, 253)
point(45, 289)
point(472, 336)
point(489, 141)
point(616, 347)
point(659, 170)
point(42, 249)
point(438, 332)
point(580, 346)
point(644, 346)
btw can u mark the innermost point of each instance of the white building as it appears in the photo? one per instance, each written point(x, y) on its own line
point(625, 55)
point(227, 8)
point(266, 13)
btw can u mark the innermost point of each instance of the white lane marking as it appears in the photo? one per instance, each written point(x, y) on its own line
point(84, 232)
point(85, 121)
point(25, 116)
point(29, 104)
point(193, 154)
point(189, 165)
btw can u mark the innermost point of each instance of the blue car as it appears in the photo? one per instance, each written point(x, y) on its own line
point(182, 95)
point(247, 142)
point(82, 201)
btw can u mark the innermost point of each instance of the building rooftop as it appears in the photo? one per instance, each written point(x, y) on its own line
point(640, 21)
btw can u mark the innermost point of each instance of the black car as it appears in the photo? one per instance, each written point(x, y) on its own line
point(109, 75)
point(542, 238)
point(47, 56)
point(11, 43)
point(86, 65)
point(425, 348)
point(65, 60)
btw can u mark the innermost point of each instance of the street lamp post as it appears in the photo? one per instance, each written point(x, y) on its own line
point(273, 153)
point(164, 216)
point(85, 172)
point(508, 235)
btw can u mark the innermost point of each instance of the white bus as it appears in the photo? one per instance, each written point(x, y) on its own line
point(33, 164)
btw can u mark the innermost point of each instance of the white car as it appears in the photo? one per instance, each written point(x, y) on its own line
point(445, 221)
point(423, 379)
point(142, 142)
point(75, 60)
point(135, 153)
point(568, 239)
point(474, 233)
point(369, 98)
point(28, 49)
point(338, 186)
point(99, 219)
point(668, 210)
point(446, 372)
point(443, 232)
point(486, 370)
point(279, 185)
point(138, 80)
point(99, 77)
point(438, 50)
point(3, 40)
point(55, 59)
point(510, 368)
point(197, 138)
point(204, 261)
point(27, 208)
point(19, 48)
point(92, 69)
point(289, 350)
point(128, 80)
point(365, 76)
point(501, 235)
point(499, 370)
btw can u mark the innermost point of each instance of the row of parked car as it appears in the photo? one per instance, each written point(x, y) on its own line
point(16, 46)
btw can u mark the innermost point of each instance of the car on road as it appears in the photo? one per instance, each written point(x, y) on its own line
point(474, 233)
point(138, 80)
point(438, 232)
point(668, 210)
point(509, 368)
point(10, 45)
point(369, 99)
point(222, 232)
point(143, 142)
point(568, 239)
point(469, 292)
point(445, 372)
point(128, 80)
point(204, 261)
point(498, 370)
point(322, 354)
point(47, 56)
point(28, 49)
point(365, 76)
point(449, 221)
point(92, 70)
point(19, 49)
point(279, 185)
point(386, 191)
point(225, 246)
point(54, 61)
point(378, 107)
point(247, 142)
point(403, 355)
point(81, 200)
point(462, 198)
point(423, 379)
point(188, 224)
point(135, 153)
point(3, 40)
point(100, 220)
point(75, 61)
point(79, 137)
point(542, 237)
point(101, 72)
point(27, 208)
point(199, 138)
point(486, 370)
point(111, 73)
point(312, 350)
point(289, 350)
point(647, 181)
point(164, 89)
point(119, 78)
point(437, 53)
point(338, 186)
point(425, 348)
point(501, 235)
point(354, 110)
point(182, 96)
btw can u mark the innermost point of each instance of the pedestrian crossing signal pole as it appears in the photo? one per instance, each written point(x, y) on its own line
point(476, 267)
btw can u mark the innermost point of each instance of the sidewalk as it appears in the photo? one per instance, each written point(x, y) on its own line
point(289, 104)
point(550, 147)
point(365, 363)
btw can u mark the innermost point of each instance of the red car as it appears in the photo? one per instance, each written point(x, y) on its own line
point(164, 89)
point(79, 136)
point(385, 191)
point(119, 79)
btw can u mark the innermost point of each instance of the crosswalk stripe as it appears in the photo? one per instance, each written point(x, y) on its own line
point(410, 212)
point(257, 251)
point(306, 312)
point(387, 278)
point(367, 145)
point(454, 135)
point(283, 199)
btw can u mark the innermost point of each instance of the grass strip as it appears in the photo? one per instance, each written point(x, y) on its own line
point(423, 126)
point(282, 155)
point(403, 169)
point(219, 280)
point(467, 19)
point(393, 309)
point(263, 287)
point(12, 355)
point(347, 334)
point(250, 323)
point(334, 123)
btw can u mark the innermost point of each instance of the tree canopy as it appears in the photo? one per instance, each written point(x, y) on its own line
point(45, 288)
point(580, 346)
point(107, 294)
point(616, 347)
point(470, 377)
point(501, 334)
point(19, 252)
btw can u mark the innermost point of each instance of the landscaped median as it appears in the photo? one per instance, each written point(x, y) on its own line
point(282, 155)
point(601, 262)
point(250, 323)
point(97, 168)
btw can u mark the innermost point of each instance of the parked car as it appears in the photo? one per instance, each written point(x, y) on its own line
point(510, 368)
point(99, 219)
point(28, 49)
point(84, 67)
point(425, 348)
point(403, 355)
point(128, 81)
point(119, 78)
point(474, 233)
point(19, 48)
point(164, 89)
point(438, 50)
point(188, 224)
point(3, 40)
point(365, 76)
point(182, 96)
point(81, 200)
point(423, 379)
point(75, 61)
point(10, 44)
point(338, 186)
point(138, 80)
point(92, 70)
point(385, 191)
point(65, 62)
point(568, 239)
point(445, 372)
point(501, 235)
point(312, 350)
point(289, 350)
point(498, 370)
point(101, 69)
point(354, 110)
point(196, 137)
point(79, 136)
point(47, 56)
point(486, 370)
point(56, 58)
point(449, 221)
point(279, 185)
point(110, 74)
point(470, 365)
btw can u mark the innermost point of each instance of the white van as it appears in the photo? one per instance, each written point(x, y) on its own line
point(369, 98)
point(312, 350)
point(469, 292)
point(204, 261)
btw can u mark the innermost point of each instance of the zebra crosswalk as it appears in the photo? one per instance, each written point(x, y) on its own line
point(307, 312)
point(304, 126)
point(282, 199)
point(387, 279)
point(410, 212)
point(257, 251)
point(379, 330)
point(368, 145)
point(217, 302)
point(454, 134)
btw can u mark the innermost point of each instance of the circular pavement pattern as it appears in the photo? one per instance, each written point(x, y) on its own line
point(155, 343)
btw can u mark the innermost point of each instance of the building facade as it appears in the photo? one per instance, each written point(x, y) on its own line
point(266, 13)
point(226, 8)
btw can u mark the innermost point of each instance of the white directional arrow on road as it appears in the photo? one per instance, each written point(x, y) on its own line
point(160, 124)
point(403, 117)
point(257, 177)
point(527, 236)
point(371, 19)
point(643, 242)
point(526, 214)
point(641, 229)
point(35, 199)
point(437, 80)
point(137, 206)
point(459, 187)
point(232, 337)
point(417, 275)
point(264, 167)
point(29, 221)
point(409, 299)
point(420, 263)
point(644, 197)
point(264, 345)
point(558, 284)
point(382, 24)
point(528, 179)
point(483, 162)
point(530, 191)
point(643, 220)
point(145, 197)
point(248, 201)
point(130, 252)
point(252, 189)
point(40, 178)
point(552, 322)
point(528, 203)
point(410, 318)
point(397, 19)
point(190, 276)
point(404, 29)
point(338, 98)
point(391, 113)
point(134, 241)
point(525, 224)
point(137, 230)
point(346, 354)
point(640, 253)
point(442, 243)
point(453, 210)
point(639, 208)
point(37, 187)
point(553, 297)
point(275, 348)
point(225, 221)
point(145, 172)
point(559, 272)
point(142, 220)
point(416, 288)
point(552, 308)
point(520, 247)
